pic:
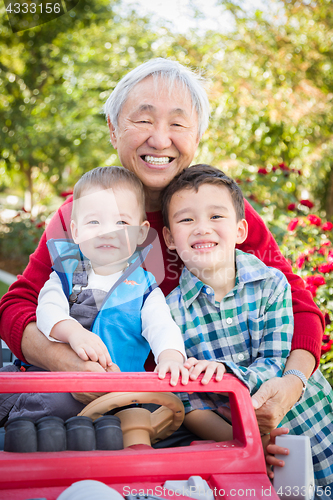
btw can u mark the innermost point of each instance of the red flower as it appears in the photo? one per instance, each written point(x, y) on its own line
point(319, 280)
point(315, 280)
point(325, 268)
point(312, 289)
point(327, 226)
point(322, 251)
point(326, 347)
point(291, 206)
point(300, 261)
point(292, 224)
point(327, 322)
point(326, 244)
point(314, 220)
point(283, 166)
point(307, 203)
point(40, 224)
point(274, 169)
point(330, 256)
point(263, 171)
point(64, 194)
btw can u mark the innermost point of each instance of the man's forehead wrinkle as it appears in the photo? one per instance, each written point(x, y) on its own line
point(152, 109)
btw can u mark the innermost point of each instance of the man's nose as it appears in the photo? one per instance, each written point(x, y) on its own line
point(159, 138)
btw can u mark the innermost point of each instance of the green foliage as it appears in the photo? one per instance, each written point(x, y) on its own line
point(54, 80)
point(19, 238)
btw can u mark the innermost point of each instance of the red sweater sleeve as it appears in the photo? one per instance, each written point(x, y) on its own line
point(309, 321)
point(18, 305)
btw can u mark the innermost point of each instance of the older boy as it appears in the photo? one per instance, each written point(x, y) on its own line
point(235, 313)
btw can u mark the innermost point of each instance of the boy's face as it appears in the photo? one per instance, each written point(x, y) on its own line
point(108, 227)
point(204, 229)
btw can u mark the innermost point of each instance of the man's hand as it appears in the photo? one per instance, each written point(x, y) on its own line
point(271, 449)
point(274, 399)
point(53, 356)
point(172, 361)
point(209, 368)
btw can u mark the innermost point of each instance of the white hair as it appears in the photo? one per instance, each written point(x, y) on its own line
point(165, 68)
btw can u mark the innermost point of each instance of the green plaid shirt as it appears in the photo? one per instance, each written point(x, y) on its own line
point(250, 331)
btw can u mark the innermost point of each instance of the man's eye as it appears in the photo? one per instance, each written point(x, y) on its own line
point(93, 222)
point(187, 219)
point(122, 223)
point(217, 217)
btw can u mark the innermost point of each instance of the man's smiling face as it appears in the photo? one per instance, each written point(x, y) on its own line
point(157, 132)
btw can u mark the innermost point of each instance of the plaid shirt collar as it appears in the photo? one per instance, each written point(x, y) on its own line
point(248, 270)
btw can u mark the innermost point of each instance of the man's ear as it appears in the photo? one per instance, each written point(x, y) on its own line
point(242, 231)
point(168, 239)
point(74, 231)
point(112, 134)
point(143, 232)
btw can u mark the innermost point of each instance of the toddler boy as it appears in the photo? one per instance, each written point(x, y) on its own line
point(98, 298)
point(235, 313)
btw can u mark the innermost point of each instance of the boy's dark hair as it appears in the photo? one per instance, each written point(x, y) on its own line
point(194, 177)
point(110, 177)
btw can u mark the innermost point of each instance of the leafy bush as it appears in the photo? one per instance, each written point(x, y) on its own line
point(19, 239)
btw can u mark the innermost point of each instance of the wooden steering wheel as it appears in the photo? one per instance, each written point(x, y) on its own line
point(139, 425)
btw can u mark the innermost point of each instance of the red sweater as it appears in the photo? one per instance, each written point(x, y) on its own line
point(18, 305)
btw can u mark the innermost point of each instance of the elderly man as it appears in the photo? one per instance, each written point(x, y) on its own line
point(156, 116)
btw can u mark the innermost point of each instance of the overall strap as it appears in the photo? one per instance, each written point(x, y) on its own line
point(80, 279)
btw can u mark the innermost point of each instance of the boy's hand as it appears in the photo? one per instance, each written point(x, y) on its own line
point(88, 345)
point(271, 449)
point(172, 361)
point(175, 368)
point(196, 366)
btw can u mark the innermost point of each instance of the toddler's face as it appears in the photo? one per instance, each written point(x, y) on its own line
point(204, 229)
point(108, 227)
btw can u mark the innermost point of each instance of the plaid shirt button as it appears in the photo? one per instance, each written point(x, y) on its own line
point(229, 321)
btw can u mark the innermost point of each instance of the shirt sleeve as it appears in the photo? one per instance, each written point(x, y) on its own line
point(158, 327)
point(274, 346)
point(52, 306)
point(308, 319)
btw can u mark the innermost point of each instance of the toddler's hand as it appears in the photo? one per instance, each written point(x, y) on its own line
point(88, 345)
point(196, 366)
point(271, 449)
point(175, 368)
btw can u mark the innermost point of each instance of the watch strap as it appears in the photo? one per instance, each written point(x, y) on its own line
point(302, 378)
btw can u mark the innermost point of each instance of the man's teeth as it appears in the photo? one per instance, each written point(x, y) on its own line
point(154, 160)
point(206, 245)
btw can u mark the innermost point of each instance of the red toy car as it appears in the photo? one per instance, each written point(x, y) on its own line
point(232, 469)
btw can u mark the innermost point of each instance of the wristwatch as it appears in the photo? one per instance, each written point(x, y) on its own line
point(301, 376)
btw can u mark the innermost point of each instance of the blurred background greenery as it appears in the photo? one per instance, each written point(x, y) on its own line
point(269, 78)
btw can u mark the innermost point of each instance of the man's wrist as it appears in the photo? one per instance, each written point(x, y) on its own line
point(301, 377)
